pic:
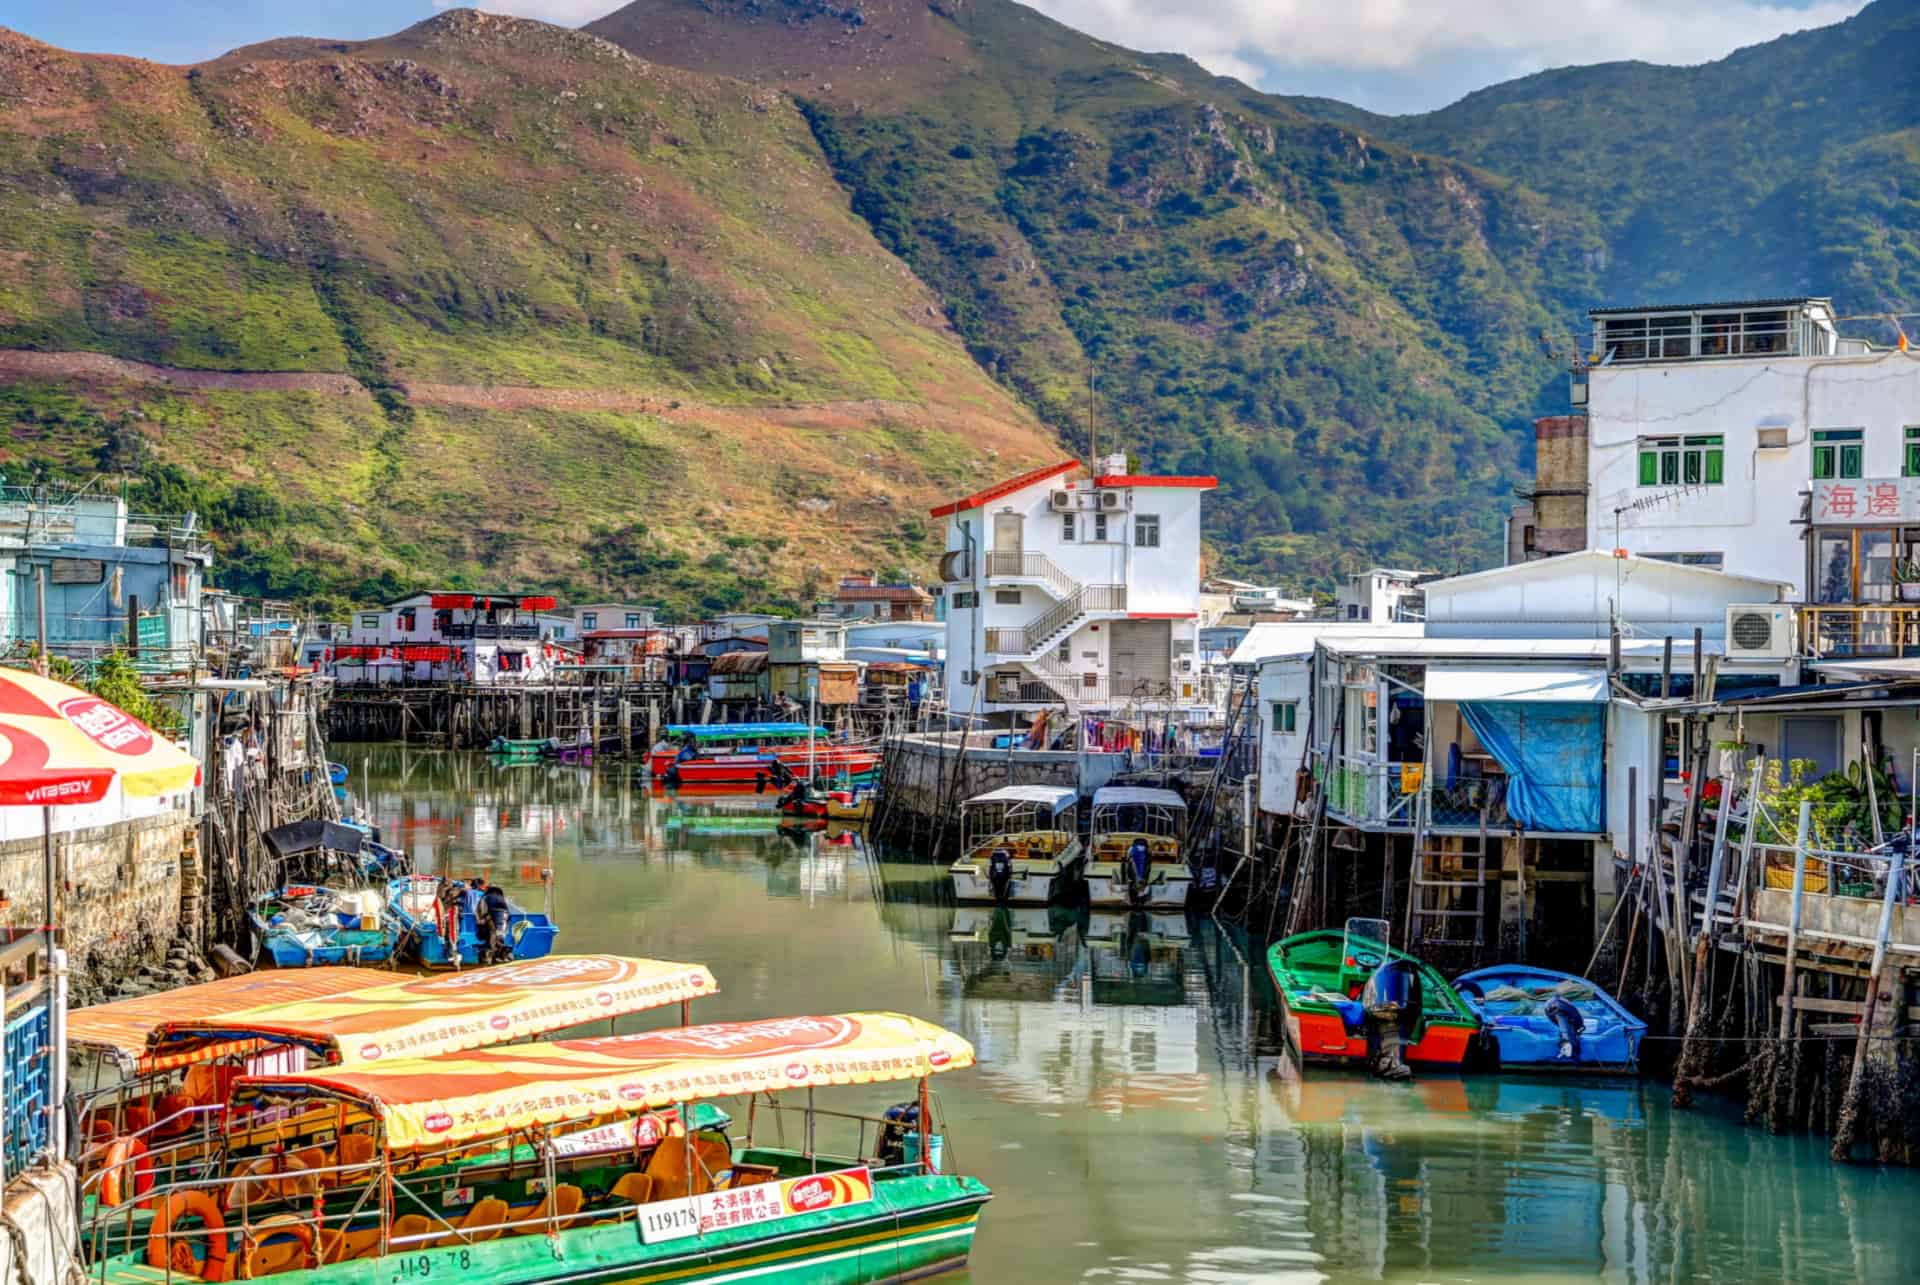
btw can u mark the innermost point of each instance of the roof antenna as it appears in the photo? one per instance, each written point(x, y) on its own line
point(1093, 441)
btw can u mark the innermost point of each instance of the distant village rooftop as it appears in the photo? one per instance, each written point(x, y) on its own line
point(1776, 327)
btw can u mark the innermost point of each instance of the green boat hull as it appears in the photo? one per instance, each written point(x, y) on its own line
point(1308, 967)
point(914, 1227)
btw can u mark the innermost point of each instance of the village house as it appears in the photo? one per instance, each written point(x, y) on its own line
point(863, 598)
point(594, 617)
point(455, 635)
point(1075, 589)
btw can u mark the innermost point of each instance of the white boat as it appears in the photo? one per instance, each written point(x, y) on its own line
point(1122, 816)
point(1019, 843)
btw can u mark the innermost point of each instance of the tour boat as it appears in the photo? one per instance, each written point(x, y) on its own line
point(742, 754)
point(1122, 816)
point(1019, 843)
point(1319, 976)
point(435, 931)
point(471, 1166)
point(1543, 1020)
point(168, 1060)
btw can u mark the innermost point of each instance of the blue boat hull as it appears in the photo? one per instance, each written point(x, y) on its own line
point(1528, 1039)
point(531, 934)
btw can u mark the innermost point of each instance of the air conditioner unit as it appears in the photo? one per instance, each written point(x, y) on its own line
point(1061, 502)
point(1763, 631)
point(1112, 499)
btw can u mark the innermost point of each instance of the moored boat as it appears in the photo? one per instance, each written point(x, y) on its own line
point(1019, 843)
point(1539, 1019)
point(436, 930)
point(1134, 857)
point(1320, 977)
point(300, 925)
point(705, 754)
point(854, 804)
point(433, 1138)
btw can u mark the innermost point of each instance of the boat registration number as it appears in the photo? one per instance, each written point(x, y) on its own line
point(408, 1268)
point(665, 1220)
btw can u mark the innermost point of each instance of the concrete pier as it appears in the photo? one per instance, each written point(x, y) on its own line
point(39, 1227)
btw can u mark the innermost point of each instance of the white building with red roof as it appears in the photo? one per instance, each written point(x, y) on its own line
point(1076, 590)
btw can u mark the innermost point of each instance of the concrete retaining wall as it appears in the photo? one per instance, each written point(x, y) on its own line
point(39, 1242)
point(119, 895)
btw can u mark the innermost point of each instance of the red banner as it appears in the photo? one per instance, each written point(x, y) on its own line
point(538, 604)
point(452, 601)
point(432, 654)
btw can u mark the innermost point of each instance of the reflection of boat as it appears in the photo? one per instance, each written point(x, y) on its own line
point(855, 804)
point(1319, 976)
point(437, 930)
point(502, 747)
point(1543, 1020)
point(1134, 960)
point(1111, 928)
point(1134, 856)
point(1018, 843)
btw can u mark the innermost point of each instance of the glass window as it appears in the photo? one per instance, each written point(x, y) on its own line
point(369, 622)
point(1007, 597)
point(1286, 716)
point(1910, 462)
point(1876, 566)
point(1837, 452)
point(1146, 530)
point(1066, 528)
point(1833, 566)
point(633, 620)
point(1699, 460)
point(589, 620)
point(1099, 526)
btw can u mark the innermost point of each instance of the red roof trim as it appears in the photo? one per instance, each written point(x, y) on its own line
point(1141, 479)
point(1163, 615)
point(993, 493)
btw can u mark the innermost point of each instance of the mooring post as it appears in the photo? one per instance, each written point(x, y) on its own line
point(1786, 1060)
point(1692, 1047)
point(1849, 1127)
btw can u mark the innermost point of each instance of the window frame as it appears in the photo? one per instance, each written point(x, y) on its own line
point(1067, 527)
point(1695, 459)
point(1839, 454)
point(1143, 523)
point(1291, 720)
point(370, 622)
point(1101, 528)
point(1910, 451)
point(1010, 597)
point(589, 620)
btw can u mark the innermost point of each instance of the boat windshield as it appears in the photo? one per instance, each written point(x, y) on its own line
point(1367, 946)
point(1159, 814)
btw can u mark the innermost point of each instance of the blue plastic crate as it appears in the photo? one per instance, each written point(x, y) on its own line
point(29, 1072)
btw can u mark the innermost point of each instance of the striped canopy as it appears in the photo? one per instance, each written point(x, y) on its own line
point(60, 745)
point(430, 1102)
point(122, 1028)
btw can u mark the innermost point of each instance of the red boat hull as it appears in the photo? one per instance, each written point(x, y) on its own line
point(1322, 1037)
point(745, 768)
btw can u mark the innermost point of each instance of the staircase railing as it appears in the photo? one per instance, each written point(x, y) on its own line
point(1012, 564)
point(1046, 628)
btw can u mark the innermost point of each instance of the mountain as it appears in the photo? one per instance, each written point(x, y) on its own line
point(486, 301)
point(1791, 167)
point(1345, 331)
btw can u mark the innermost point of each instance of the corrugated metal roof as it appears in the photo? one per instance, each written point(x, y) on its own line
point(1121, 795)
point(1717, 306)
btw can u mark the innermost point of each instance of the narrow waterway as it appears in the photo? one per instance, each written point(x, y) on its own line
point(1129, 1112)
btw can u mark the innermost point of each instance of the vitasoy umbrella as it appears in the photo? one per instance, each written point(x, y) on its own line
point(60, 745)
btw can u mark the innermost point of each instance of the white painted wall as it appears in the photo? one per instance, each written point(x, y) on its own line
point(1570, 597)
point(1749, 519)
point(1286, 678)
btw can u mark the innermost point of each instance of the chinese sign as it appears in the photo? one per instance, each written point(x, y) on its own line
point(761, 1203)
point(1865, 501)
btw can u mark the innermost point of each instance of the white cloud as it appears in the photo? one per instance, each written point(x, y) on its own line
point(1398, 35)
point(566, 13)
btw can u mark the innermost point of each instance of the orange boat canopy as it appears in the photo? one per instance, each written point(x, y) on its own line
point(432, 1102)
point(121, 1029)
point(414, 1017)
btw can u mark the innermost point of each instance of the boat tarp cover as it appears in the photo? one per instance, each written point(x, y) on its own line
point(1554, 755)
point(1057, 798)
point(299, 837)
point(423, 1016)
point(432, 1102)
point(1113, 796)
point(121, 1029)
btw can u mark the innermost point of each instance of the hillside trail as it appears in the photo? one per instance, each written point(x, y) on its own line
point(92, 367)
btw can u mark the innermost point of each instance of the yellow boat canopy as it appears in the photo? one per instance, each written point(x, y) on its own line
point(415, 1017)
point(120, 1030)
point(433, 1102)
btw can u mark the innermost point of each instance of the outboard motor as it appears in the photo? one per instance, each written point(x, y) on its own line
point(1137, 866)
point(1392, 1003)
point(1000, 874)
point(1561, 1012)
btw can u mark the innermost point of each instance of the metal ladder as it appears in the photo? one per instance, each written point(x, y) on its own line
point(1443, 903)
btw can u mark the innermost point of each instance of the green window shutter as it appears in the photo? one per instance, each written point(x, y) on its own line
point(1669, 467)
point(1649, 468)
point(1849, 461)
point(1716, 467)
point(1913, 459)
point(1690, 463)
point(1822, 462)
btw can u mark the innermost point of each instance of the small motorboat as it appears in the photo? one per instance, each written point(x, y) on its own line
point(1321, 977)
point(1019, 843)
point(1541, 1020)
point(501, 747)
point(435, 929)
point(854, 804)
point(1133, 858)
point(302, 925)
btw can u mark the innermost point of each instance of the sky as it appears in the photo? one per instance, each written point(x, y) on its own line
point(1385, 55)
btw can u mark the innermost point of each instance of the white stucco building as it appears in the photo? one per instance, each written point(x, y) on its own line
point(455, 636)
point(1711, 424)
point(1071, 589)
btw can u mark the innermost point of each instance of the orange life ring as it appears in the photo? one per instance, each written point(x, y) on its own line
point(251, 1265)
point(166, 1252)
point(122, 1169)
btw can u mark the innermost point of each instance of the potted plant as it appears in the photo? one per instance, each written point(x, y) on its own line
point(1906, 579)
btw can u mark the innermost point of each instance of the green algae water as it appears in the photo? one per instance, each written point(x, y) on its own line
point(1130, 1111)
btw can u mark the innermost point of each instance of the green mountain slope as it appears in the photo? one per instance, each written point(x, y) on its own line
point(1345, 332)
point(610, 326)
point(1787, 167)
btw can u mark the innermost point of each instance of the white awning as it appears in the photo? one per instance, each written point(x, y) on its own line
point(1516, 683)
point(1055, 798)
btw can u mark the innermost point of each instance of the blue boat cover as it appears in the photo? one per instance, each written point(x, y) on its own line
point(1554, 754)
point(742, 729)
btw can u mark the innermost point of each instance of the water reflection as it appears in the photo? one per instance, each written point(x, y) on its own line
point(1129, 1112)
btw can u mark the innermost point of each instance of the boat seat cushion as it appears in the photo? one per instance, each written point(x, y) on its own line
point(277, 1244)
point(337, 1246)
point(483, 1222)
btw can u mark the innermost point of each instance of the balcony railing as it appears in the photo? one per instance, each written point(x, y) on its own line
point(1046, 628)
point(1386, 796)
point(1012, 564)
point(484, 631)
point(1860, 631)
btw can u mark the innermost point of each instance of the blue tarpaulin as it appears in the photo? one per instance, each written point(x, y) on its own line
point(1554, 754)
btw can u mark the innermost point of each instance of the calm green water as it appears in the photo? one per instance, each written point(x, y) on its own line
point(1129, 1111)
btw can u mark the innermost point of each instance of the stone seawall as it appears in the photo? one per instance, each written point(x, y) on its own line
point(118, 900)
